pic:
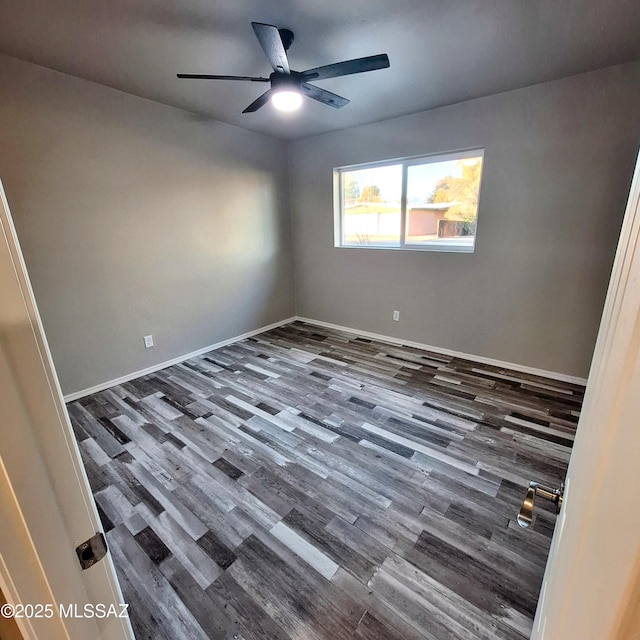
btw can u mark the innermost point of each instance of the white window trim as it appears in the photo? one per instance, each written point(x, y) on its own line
point(442, 247)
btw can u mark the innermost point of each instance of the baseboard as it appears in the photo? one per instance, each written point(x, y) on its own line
point(163, 365)
point(329, 325)
point(449, 352)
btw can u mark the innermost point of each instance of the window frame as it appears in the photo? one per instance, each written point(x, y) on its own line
point(432, 158)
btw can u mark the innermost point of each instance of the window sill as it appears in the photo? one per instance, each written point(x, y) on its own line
point(448, 246)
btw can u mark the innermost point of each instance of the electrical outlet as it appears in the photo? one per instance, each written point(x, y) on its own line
point(396, 316)
point(148, 341)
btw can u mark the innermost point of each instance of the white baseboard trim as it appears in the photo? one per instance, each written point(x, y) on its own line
point(163, 365)
point(449, 352)
point(329, 325)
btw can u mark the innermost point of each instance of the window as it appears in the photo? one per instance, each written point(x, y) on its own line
point(427, 203)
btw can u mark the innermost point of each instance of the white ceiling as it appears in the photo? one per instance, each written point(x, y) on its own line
point(441, 51)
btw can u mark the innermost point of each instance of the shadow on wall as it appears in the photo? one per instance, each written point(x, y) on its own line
point(134, 218)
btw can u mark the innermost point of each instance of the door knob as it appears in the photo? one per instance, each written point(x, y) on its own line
point(525, 515)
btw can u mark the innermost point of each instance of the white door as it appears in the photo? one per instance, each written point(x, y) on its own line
point(46, 505)
point(591, 589)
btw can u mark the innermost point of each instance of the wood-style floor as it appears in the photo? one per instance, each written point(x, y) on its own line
point(307, 484)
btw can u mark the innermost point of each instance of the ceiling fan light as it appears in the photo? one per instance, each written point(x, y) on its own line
point(286, 100)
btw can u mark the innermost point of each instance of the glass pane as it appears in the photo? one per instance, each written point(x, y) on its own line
point(442, 204)
point(371, 206)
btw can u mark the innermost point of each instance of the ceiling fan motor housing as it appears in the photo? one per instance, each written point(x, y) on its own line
point(285, 81)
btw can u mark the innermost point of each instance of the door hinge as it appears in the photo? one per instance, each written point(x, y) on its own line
point(92, 550)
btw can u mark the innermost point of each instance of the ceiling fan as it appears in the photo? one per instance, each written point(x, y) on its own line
point(288, 86)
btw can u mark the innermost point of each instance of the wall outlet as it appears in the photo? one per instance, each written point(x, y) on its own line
point(148, 341)
point(396, 316)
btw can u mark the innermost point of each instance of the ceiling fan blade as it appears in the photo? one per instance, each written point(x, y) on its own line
point(260, 102)
point(324, 96)
point(348, 67)
point(204, 76)
point(271, 43)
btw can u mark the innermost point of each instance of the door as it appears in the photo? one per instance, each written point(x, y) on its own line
point(46, 506)
point(591, 588)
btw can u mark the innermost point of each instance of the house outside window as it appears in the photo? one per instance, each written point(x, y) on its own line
point(427, 203)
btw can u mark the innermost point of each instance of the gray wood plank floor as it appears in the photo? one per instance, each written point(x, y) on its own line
point(310, 484)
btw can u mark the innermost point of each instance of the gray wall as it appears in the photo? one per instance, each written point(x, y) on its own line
point(136, 218)
point(558, 164)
